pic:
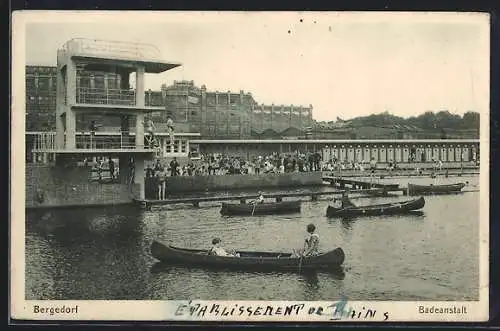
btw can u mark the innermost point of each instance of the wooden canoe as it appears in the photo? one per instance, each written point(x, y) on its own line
point(272, 208)
point(414, 189)
point(394, 208)
point(272, 261)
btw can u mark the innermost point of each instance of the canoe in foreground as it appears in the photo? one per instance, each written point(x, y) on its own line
point(271, 208)
point(414, 189)
point(376, 210)
point(248, 260)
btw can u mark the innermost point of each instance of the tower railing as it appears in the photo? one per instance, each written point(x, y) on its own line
point(113, 49)
point(44, 140)
point(101, 96)
point(88, 141)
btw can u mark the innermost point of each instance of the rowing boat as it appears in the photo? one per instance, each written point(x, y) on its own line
point(394, 208)
point(275, 261)
point(270, 208)
point(414, 189)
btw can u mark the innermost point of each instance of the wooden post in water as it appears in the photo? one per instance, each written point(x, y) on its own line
point(144, 205)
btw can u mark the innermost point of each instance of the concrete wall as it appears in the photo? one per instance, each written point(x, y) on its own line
point(235, 182)
point(61, 186)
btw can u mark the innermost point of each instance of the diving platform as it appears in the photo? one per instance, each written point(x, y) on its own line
point(100, 54)
point(76, 95)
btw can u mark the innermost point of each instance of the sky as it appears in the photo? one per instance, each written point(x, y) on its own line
point(343, 64)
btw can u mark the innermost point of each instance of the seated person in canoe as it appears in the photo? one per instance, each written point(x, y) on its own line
point(260, 199)
point(311, 243)
point(217, 249)
point(345, 202)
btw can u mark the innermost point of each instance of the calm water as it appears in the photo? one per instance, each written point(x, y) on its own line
point(92, 254)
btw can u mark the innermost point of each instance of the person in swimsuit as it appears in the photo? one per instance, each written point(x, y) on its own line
point(170, 127)
point(346, 202)
point(150, 128)
point(259, 200)
point(311, 243)
point(219, 251)
point(161, 175)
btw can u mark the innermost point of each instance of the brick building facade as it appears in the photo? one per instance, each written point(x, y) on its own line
point(225, 115)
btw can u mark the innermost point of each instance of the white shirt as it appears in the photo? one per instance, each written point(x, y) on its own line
point(219, 251)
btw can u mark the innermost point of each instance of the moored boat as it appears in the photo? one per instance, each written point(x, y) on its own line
point(274, 261)
point(393, 208)
point(270, 208)
point(414, 189)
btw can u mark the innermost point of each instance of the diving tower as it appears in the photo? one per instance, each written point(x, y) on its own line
point(122, 58)
point(79, 58)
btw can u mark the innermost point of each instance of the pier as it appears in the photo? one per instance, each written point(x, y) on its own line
point(359, 184)
point(243, 198)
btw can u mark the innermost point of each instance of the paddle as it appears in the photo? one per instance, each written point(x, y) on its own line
point(300, 261)
point(253, 210)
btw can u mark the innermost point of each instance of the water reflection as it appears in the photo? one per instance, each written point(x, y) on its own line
point(347, 223)
point(311, 279)
point(238, 284)
point(73, 227)
point(311, 276)
point(96, 247)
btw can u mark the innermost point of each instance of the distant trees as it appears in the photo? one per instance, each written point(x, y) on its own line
point(441, 121)
point(446, 120)
point(470, 120)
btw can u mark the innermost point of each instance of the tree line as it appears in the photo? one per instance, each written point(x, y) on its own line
point(426, 121)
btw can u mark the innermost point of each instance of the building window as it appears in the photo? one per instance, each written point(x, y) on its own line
point(183, 146)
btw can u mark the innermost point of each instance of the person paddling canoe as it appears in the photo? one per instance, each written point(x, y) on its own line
point(311, 243)
point(259, 200)
point(344, 200)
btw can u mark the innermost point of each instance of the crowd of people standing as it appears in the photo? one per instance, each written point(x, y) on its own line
point(219, 164)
